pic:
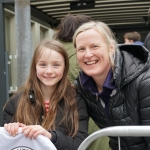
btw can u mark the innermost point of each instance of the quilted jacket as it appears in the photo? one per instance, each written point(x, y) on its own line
point(130, 100)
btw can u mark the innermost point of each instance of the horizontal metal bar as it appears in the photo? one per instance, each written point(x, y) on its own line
point(7, 1)
point(117, 131)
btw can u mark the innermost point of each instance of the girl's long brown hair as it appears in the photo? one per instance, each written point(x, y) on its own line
point(30, 113)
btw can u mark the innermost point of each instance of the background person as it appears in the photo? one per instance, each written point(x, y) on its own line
point(133, 38)
point(47, 104)
point(114, 82)
point(65, 33)
point(147, 39)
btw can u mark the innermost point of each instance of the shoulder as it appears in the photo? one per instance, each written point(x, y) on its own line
point(80, 101)
point(12, 102)
point(81, 107)
point(144, 78)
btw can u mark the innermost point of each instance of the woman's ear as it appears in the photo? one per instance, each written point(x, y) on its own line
point(112, 49)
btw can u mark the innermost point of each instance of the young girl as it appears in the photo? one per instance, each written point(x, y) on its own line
point(47, 104)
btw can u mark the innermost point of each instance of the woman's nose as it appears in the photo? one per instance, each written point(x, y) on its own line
point(88, 53)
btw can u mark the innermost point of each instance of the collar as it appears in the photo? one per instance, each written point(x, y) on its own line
point(88, 83)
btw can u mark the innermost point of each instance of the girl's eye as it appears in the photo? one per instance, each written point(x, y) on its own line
point(42, 64)
point(56, 65)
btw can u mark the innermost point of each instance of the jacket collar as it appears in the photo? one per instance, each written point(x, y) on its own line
point(130, 61)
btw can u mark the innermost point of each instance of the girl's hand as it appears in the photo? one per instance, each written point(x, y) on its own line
point(32, 131)
point(12, 128)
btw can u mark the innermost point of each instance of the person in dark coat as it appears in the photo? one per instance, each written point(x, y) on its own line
point(114, 82)
point(47, 104)
point(147, 41)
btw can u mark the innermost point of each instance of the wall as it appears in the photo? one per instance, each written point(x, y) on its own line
point(39, 31)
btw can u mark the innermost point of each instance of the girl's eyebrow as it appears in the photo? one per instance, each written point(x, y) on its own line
point(53, 61)
point(58, 61)
point(41, 61)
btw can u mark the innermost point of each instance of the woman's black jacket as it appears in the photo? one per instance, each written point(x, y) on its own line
point(62, 141)
point(130, 101)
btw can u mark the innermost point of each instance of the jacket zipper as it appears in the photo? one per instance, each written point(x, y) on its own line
point(96, 97)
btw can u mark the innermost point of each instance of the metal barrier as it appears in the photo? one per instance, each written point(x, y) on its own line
point(117, 131)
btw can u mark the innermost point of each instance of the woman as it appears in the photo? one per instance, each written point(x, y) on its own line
point(68, 26)
point(114, 83)
point(47, 104)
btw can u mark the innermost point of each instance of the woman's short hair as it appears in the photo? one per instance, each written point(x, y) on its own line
point(101, 28)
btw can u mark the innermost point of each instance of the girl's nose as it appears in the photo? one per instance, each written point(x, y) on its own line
point(49, 69)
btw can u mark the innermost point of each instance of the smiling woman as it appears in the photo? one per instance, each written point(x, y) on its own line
point(93, 54)
point(114, 82)
point(50, 105)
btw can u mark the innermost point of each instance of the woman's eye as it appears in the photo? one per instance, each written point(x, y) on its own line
point(81, 49)
point(95, 46)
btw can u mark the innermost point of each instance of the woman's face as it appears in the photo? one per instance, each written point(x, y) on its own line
point(93, 53)
point(50, 68)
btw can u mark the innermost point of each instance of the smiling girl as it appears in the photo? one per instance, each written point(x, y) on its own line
point(48, 104)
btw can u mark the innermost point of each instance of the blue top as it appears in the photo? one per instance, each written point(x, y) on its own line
point(109, 84)
point(139, 43)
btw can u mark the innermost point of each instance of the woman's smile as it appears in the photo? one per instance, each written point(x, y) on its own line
point(91, 62)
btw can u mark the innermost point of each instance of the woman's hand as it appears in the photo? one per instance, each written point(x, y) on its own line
point(32, 131)
point(12, 128)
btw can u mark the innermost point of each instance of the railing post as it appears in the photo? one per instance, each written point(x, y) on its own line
point(23, 31)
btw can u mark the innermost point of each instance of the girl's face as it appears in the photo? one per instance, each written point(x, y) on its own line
point(93, 53)
point(50, 68)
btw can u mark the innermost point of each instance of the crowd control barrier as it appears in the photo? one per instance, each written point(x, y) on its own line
point(116, 131)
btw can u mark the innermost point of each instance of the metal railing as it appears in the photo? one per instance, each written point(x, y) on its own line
point(117, 131)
